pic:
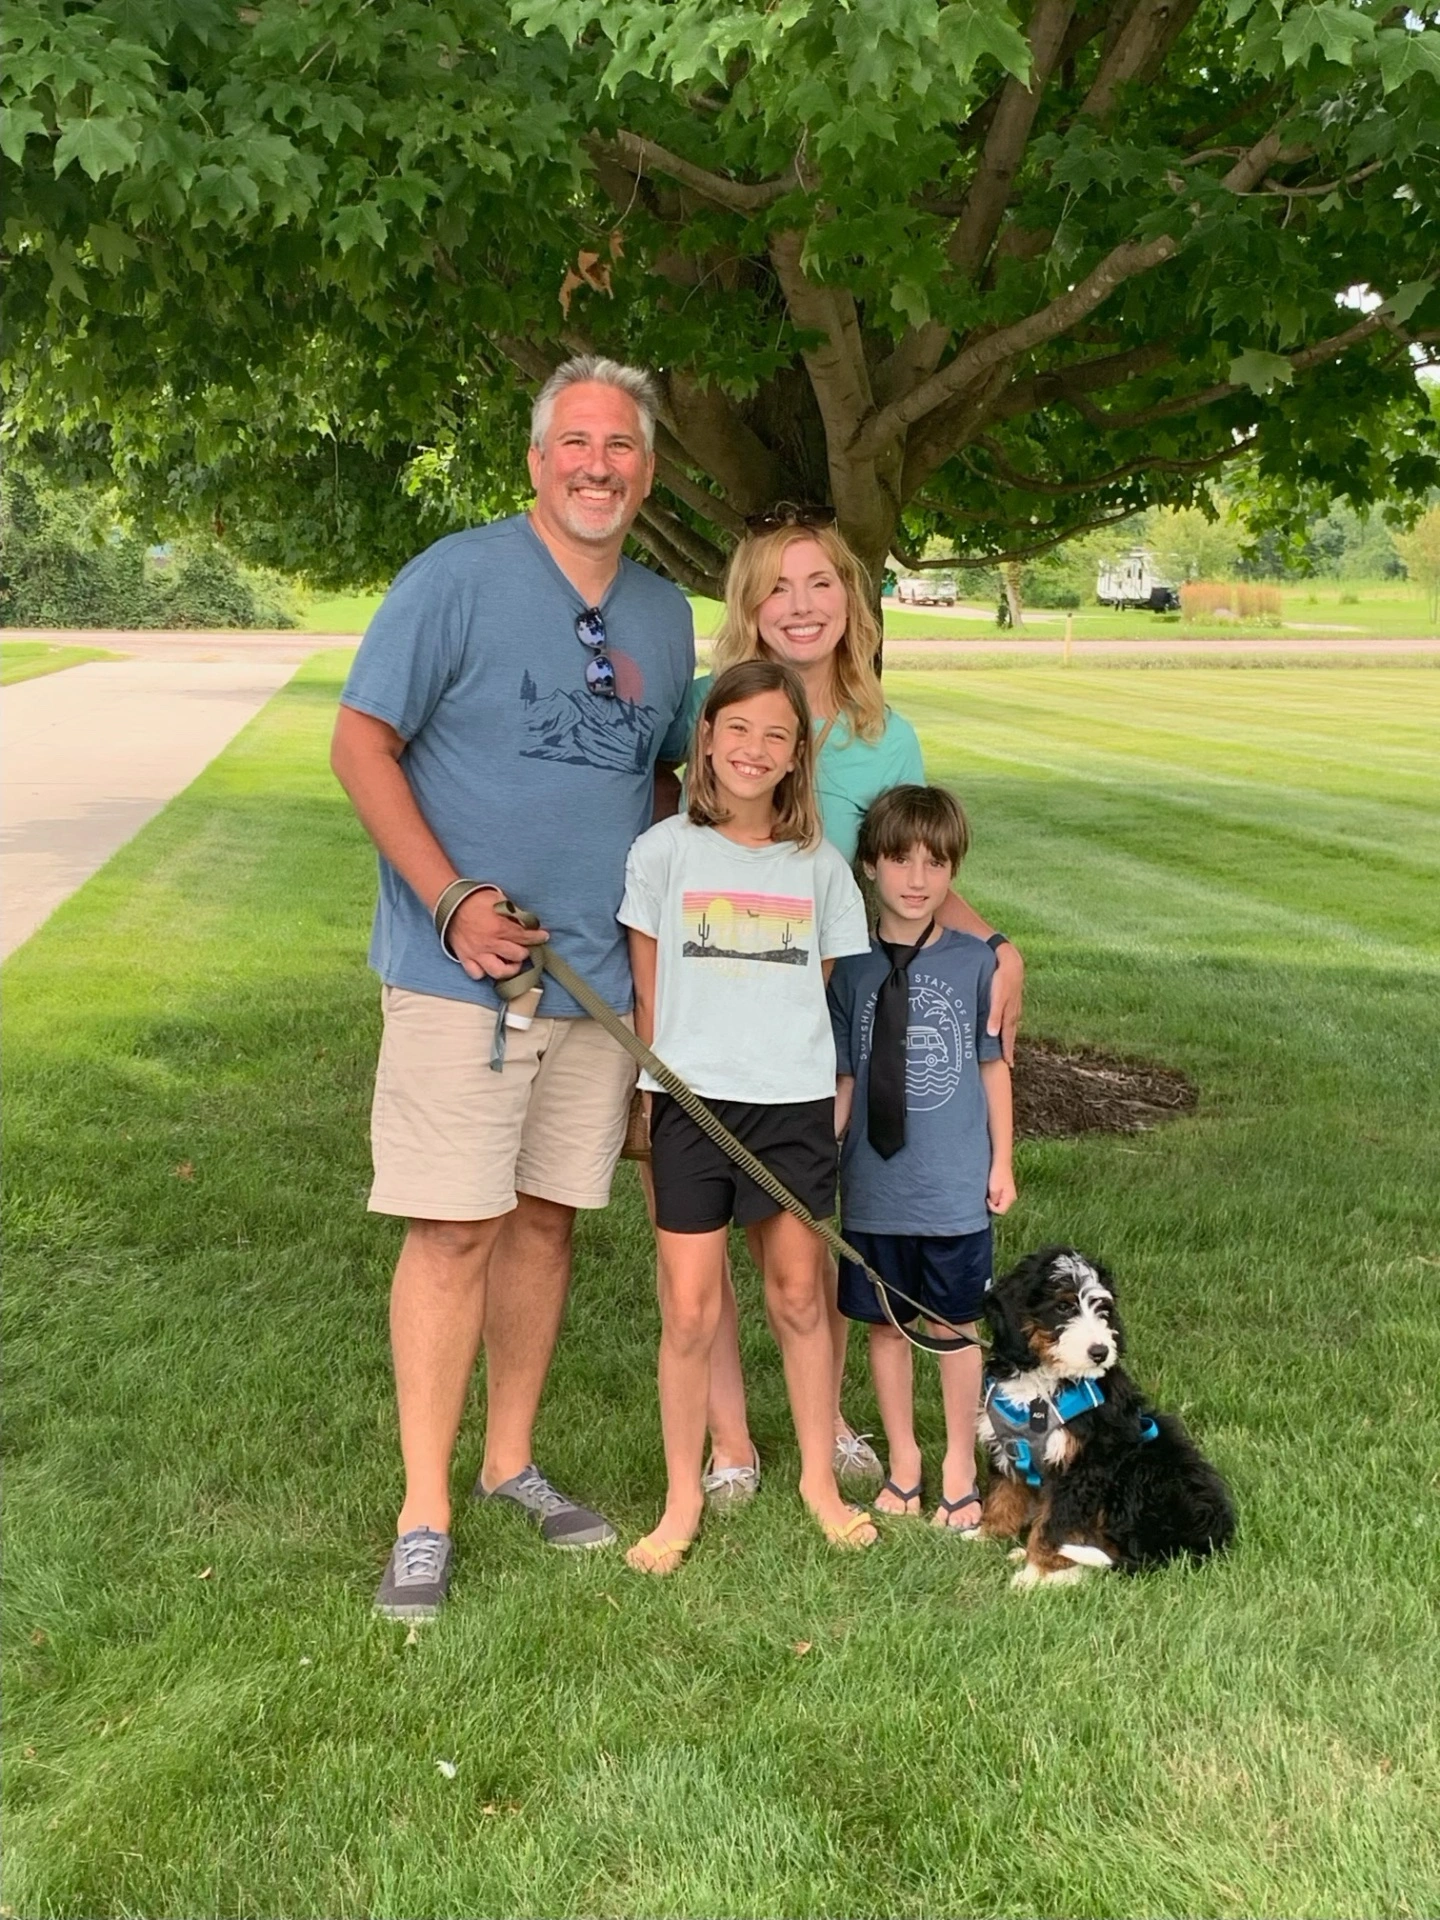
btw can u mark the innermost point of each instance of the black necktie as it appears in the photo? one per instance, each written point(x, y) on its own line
point(885, 1114)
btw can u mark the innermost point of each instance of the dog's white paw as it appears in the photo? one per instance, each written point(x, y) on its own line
point(1085, 1556)
point(1028, 1576)
point(1068, 1577)
point(1016, 1553)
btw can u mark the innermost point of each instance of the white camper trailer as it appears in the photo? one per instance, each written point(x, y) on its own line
point(1136, 581)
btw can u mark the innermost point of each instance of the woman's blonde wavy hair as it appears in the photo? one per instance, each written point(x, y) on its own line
point(754, 568)
point(797, 812)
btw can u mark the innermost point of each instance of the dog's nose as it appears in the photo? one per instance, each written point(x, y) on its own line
point(1099, 1354)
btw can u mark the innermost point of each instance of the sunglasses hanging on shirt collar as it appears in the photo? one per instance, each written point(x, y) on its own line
point(600, 669)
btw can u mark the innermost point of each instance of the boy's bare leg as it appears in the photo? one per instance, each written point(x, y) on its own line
point(960, 1393)
point(690, 1266)
point(792, 1262)
point(892, 1368)
point(437, 1311)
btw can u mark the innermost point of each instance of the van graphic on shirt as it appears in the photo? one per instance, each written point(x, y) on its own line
point(770, 927)
point(939, 1039)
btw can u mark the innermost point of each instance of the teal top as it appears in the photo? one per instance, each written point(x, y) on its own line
point(852, 772)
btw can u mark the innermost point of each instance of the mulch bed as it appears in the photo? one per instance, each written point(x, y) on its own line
point(1086, 1091)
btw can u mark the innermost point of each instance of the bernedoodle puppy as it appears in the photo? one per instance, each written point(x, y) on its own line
point(1077, 1453)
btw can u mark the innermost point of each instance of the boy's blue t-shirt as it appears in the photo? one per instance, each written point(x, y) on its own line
point(936, 1184)
point(525, 777)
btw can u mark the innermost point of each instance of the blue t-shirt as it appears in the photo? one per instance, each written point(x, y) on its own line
point(936, 1184)
point(524, 776)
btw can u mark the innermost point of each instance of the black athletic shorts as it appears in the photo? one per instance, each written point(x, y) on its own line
point(948, 1275)
point(698, 1188)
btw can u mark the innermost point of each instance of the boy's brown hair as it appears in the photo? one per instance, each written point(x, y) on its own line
point(797, 815)
point(906, 817)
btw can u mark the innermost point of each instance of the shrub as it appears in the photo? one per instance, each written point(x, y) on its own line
point(1227, 600)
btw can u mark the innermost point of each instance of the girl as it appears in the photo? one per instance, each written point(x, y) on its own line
point(737, 909)
point(797, 592)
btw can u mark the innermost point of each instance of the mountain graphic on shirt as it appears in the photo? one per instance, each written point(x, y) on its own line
point(584, 731)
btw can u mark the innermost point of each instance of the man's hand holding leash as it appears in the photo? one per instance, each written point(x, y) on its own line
point(487, 943)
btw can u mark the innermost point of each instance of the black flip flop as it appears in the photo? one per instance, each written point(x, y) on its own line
point(947, 1507)
point(900, 1493)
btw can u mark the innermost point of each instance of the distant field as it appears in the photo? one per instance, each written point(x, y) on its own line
point(1367, 609)
point(28, 659)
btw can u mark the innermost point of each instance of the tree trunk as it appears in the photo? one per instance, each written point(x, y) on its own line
point(1010, 574)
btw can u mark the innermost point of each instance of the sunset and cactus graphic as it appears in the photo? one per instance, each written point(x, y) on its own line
point(748, 926)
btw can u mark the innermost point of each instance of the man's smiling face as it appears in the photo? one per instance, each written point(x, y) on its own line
point(593, 470)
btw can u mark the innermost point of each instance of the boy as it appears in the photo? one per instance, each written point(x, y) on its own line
point(927, 1152)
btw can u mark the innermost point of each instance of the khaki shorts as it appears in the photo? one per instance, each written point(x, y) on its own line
point(453, 1140)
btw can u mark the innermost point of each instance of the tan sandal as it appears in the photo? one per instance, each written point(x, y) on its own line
point(841, 1533)
point(645, 1556)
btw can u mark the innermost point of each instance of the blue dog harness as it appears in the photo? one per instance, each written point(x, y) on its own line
point(1022, 1427)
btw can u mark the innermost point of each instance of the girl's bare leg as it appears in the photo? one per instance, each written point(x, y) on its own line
point(690, 1269)
point(960, 1393)
point(729, 1424)
point(792, 1261)
point(730, 1440)
point(892, 1368)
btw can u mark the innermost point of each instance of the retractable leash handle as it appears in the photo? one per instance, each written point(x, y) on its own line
point(544, 959)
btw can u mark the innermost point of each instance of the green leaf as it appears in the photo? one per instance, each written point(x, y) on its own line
point(1403, 302)
point(1260, 371)
point(1404, 56)
point(363, 221)
point(16, 126)
point(1336, 29)
point(101, 146)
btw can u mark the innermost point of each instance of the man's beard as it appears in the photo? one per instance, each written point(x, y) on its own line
point(578, 522)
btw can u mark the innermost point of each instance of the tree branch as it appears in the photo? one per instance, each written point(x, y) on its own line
point(1138, 50)
point(636, 153)
point(1061, 489)
point(1014, 553)
point(650, 531)
point(670, 471)
point(1120, 264)
point(1302, 360)
point(706, 426)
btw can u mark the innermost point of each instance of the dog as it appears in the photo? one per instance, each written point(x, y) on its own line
point(1077, 1454)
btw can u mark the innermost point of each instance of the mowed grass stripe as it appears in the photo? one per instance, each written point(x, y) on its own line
point(199, 1386)
point(1075, 711)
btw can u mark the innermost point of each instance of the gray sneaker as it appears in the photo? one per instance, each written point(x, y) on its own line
point(856, 1459)
point(563, 1523)
point(417, 1576)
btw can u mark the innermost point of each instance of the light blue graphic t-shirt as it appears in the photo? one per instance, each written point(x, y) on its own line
point(742, 936)
point(525, 777)
point(936, 1184)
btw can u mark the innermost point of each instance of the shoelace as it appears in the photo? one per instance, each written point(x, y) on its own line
point(854, 1446)
point(538, 1493)
point(421, 1558)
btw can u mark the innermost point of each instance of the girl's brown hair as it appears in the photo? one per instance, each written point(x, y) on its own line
point(755, 567)
point(797, 816)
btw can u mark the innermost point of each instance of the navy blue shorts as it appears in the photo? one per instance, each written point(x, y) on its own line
point(947, 1275)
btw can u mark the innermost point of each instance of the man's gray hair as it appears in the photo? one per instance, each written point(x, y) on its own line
point(606, 373)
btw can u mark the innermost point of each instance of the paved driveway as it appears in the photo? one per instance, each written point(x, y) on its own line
point(91, 754)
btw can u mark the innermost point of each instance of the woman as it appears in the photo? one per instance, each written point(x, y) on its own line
point(796, 592)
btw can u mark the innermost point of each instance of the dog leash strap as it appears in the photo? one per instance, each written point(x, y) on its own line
point(545, 958)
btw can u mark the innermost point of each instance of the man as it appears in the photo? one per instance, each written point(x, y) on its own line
point(513, 703)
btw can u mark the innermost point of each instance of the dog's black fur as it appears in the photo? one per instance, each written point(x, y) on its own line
point(1141, 1501)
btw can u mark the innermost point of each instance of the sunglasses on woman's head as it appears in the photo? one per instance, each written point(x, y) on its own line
point(789, 513)
point(600, 671)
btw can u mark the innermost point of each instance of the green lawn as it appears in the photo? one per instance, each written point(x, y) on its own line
point(1232, 872)
point(28, 659)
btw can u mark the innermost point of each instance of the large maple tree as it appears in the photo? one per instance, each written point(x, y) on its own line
point(960, 268)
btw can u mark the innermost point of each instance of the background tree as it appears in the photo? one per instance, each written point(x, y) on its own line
point(1420, 550)
point(1000, 274)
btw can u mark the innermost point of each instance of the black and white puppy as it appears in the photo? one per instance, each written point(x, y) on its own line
point(1077, 1454)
